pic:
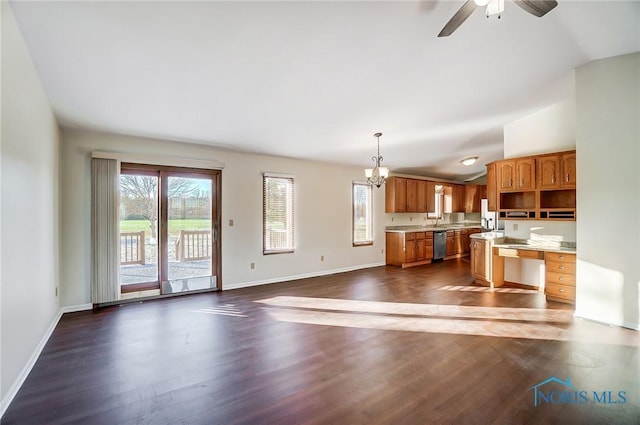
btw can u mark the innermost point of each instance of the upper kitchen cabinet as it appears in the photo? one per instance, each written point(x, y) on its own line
point(431, 197)
point(492, 187)
point(403, 195)
point(516, 174)
point(568, 169)
point(473, 194)
point(422, 195)
point(458, 198)
point(395, 195)
point(548, 171)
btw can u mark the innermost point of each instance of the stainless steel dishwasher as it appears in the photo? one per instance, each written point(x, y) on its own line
point(439, 244)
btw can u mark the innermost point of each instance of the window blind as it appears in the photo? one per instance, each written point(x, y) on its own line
point(278, 213)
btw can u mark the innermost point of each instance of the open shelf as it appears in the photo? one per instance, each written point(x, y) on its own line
point(518, 201)
point(558, 199)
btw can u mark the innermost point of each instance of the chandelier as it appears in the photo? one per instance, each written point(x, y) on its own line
point(377, 175)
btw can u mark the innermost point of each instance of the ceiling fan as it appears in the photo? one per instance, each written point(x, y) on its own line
point(538, 8)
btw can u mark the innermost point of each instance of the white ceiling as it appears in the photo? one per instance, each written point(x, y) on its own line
point(317, 79)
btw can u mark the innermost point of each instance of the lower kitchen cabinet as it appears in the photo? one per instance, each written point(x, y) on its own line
point(481, 256)
point(560, 277)
point(409, 249)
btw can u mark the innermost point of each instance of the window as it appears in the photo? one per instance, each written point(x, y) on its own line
point(277, 212)
point(438, 203)
point(362, 214)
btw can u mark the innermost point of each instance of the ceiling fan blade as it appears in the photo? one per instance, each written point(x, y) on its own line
point(537, 7)
point(461, 15)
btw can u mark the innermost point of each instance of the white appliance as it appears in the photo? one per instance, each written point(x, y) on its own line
point(488, 219)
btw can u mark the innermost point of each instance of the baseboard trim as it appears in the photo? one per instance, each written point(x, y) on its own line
point(623, 324)
point(299, 276)
point(13, 391)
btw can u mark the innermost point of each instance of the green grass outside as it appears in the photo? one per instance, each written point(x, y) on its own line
point(174, 225)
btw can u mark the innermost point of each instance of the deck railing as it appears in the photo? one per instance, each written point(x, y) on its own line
point(132, 248)
point(193, 245)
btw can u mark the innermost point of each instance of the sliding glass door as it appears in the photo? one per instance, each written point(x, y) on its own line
point(168, 230)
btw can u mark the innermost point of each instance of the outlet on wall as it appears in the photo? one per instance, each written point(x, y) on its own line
point(515, 227)
point(322, 258)
point(230, 222)
point(253, 266)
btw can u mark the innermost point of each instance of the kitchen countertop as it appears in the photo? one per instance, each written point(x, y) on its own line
point(560, 247)
point(431, 228)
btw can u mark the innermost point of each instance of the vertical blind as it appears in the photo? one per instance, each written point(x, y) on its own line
point(278, 213)
point(362, 219)
point(105, 237)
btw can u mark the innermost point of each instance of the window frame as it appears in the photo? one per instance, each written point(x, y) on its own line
point(366, 242)
point(290, 214)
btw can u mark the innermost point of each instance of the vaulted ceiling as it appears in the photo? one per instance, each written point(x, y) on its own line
point(317, 79)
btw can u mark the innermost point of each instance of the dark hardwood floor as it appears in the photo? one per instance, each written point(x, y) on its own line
point(377, 346)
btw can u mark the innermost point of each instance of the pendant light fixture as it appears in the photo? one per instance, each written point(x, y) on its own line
point(377, 175)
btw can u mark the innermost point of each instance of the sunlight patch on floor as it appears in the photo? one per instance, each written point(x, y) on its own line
point(507, 322)
point(411, 309)
point(467, 288)
point(222, 310)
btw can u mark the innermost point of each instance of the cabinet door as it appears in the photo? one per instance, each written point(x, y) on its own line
point(412, 195)
point(506, 175)
point(421, 253)
point(409, 251)
point(478, 269)
point(492, 188)
point(526, 174)
point(431, 197)
point(401, 195)
point(458, 198)
point(568, 170)
point(422, 196)
point(548, 172)
point(473, 194)
point(451, 244)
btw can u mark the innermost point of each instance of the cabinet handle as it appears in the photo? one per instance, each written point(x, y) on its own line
point(562, 257)
point(567, 180)
point(560, 278)
point(561, 267)
point(553, 178)
point(510, 182)
point(521, 182)
point(561, 290)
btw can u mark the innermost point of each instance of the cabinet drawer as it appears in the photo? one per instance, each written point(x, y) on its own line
point(410, 236)
point(428, 235)
point(559, 267)
point(419, 235)
point(561, 291)
point(555, 256)
point(561, 278)
point(518, 253)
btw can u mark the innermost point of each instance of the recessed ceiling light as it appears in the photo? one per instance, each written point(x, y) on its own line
point(469, 161)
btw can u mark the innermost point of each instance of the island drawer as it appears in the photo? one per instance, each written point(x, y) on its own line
point(560, 291)
point(559, 267)
point(556, 256)
point(561, 278)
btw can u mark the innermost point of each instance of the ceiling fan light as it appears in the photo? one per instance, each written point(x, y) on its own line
point(469, 161)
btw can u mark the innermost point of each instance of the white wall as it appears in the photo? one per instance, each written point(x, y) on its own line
point(608, 160)
point(29, 223)
point(323, 212)
point(551, 129)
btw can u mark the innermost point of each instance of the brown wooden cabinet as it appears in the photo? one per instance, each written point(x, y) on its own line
point(474, 193)
point(421, 196)
point(492, 187)
point(548, 172)
point(409, 249)
point(412, 195)
point(458, 198)
point(451, 243)
point(516, 174)
point(568, 170)
point(481, 261)
point(560, 277)
point(395, 195)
